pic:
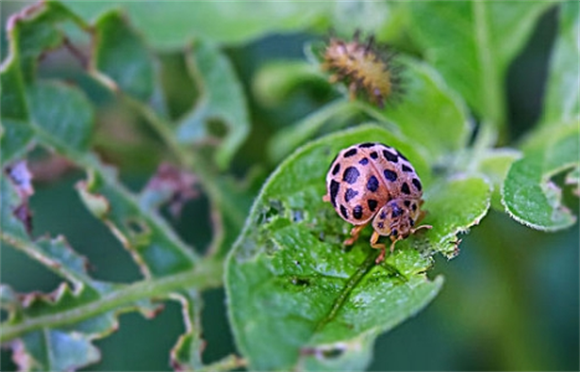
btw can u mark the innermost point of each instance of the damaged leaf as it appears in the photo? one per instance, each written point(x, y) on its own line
point(289, 274)
point(155, 247)
point(221, 111)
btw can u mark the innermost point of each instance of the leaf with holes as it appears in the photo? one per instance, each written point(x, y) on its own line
point(289, 275)
point(57, 329)
point(222, 103)
point(122, 56)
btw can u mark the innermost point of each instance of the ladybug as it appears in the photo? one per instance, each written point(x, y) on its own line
point(372, 181)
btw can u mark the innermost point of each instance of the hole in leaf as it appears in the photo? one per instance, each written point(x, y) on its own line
point(216, 128)
point(215, 325)
point(297, 215)
point(302, 282)
point(275, 209)
point(270, 248)
point(332, 353)
point(136, 227)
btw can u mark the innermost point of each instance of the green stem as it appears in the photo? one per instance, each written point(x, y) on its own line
point(207, 274)
point(491, 79)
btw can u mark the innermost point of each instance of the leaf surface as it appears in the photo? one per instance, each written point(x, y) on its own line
point(562, 101)
point(472, 43)
point(224, 23)
point(288, 274)
point(528, 193)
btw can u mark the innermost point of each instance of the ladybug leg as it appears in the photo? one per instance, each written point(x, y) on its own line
point(382, 247)
point(326, 198)
point(354, 234)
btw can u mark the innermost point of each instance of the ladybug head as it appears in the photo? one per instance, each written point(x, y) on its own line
point(395, 219)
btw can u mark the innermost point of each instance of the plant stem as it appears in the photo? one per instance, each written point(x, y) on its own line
point(491, 79)
point(207, 274)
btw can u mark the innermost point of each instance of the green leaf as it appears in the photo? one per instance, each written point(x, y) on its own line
point(222, 100)
point(453, 205)
point(334, 115)
point(528, 194)
point(173, 25)
point(428, 111)
point(54, 351)
point(154, 246)
point(35, 30)
point(45, 347)
point(13, 100)
point(121, 55)
point(494, 164)
point(369, 17)
point(275, 81)
point(288, 273)
point(186, 354)
point(563, 92)
point(472, 44)
point(67, 128)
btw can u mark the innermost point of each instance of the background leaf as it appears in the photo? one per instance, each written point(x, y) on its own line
point(529, 195)
point(562, 101)
point(238, 23)
point(426, 110)
point(121, 55)
point(222, 103)
point(486, 35)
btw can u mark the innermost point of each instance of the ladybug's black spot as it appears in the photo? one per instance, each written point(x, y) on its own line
point(343, 211)
point(336, 169)
point(417, 183)
point(390, 156)
point(357, 212)
point(372, 204)
point(411, 222)
point(374, 155)
point(334, 186)
point(350, 153)
point(405, 189)
point(363, 161)
point(390, 175)
point(366, 144)
point(349, 194)
point(402, 156)
point(380, 225)
point(383, 215)
point(407, 203)
point(350, 175)
point(407, 169)
point(373, 184)
point(394, 233)
point(414, 207)
point(396, 212)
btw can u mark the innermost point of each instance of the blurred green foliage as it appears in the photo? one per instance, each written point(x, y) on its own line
point(224, 90)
